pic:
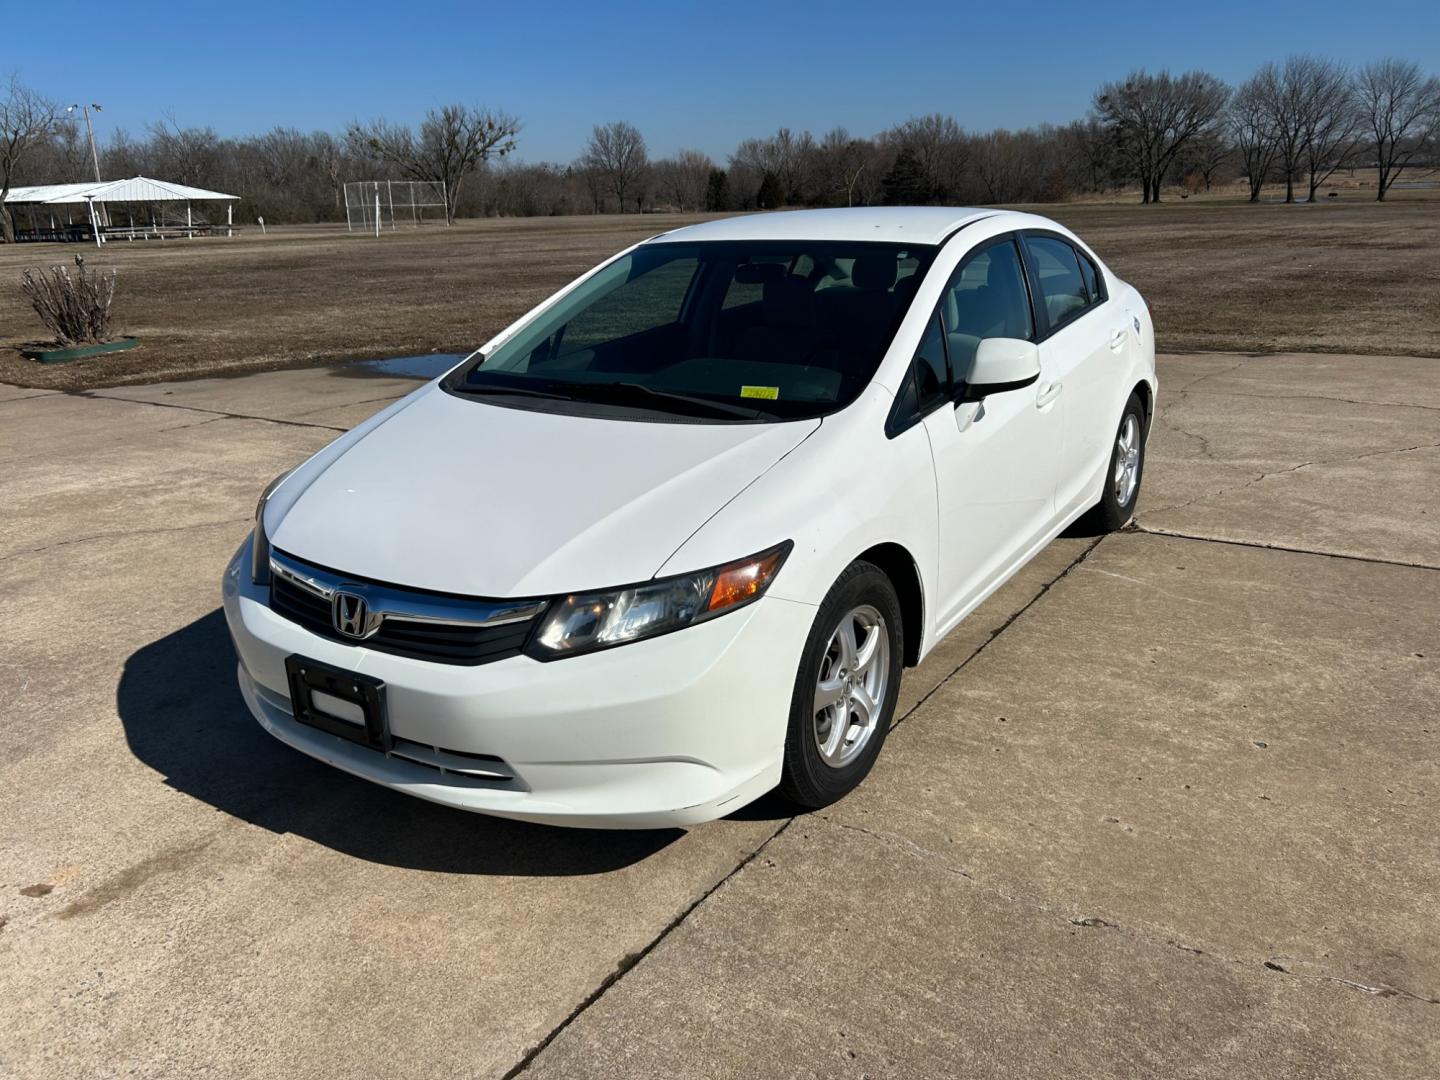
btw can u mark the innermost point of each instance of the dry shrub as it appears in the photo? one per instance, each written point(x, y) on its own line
point(75, 308)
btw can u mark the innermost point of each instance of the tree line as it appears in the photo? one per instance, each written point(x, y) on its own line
point(1293, 123)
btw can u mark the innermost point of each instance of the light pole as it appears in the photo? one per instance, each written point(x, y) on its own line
point(94, 157)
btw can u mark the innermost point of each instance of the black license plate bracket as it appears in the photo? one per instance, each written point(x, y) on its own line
point(308, 677)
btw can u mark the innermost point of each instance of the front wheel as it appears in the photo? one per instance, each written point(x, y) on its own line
point(845, 690)
point(1127, 463)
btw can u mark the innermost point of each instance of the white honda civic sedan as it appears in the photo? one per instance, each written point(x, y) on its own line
point(668, 541)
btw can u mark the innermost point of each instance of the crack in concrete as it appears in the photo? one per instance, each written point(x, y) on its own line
point(121, 533)
point(1310, 397)
point(347, 404)
point(31, 397)
point(1137, 527)
point(1205, 451)
point(1378, 989)
point(1281, 472)
point(219, 414)
point(1181, 390)
point(630, 960)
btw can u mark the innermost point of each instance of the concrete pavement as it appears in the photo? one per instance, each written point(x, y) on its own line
point(1164, 806)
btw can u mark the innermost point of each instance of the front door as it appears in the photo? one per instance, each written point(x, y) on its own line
point(995, 461)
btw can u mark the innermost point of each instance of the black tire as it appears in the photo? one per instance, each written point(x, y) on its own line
point(1110, 514)
point(808, 780)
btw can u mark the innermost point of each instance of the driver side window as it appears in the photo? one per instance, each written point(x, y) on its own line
point(987, 298)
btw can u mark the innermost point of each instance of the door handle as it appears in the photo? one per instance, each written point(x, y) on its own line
point(1048, 394)
point(1117, 338)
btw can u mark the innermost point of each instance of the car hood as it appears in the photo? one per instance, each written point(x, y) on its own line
point(466, 497)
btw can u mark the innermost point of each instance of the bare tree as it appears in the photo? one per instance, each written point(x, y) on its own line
point(999, 164)
point(1203, 159)
point(1309, 108)
point(1153, 117)
point(793, 160)
point(189, 155)
point(1334, 126)
point(843, 161)
point(1089, 153)
point(26, 120)
point(616, 152)
point(938, 144)
point(1400, 109)
point(684, 178)
point(1250, 124)
point(453, 142)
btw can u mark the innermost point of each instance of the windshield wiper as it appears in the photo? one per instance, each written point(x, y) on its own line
point(632, 390)
point(484, 389)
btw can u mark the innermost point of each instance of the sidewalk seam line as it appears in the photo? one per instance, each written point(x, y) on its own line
point(1147, 530)
point(632, 960)
point(93, 395)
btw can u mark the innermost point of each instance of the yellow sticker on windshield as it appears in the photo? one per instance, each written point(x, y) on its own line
point(770, 393)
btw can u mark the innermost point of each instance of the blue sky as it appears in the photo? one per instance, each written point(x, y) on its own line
point(703, 75)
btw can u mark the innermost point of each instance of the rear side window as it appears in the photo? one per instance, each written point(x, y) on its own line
point(1058, 277)
point(1092, 278)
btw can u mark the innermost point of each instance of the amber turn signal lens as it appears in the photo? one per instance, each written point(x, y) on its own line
point(738, 582)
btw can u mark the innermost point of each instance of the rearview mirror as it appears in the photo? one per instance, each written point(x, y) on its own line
point(1001, 364)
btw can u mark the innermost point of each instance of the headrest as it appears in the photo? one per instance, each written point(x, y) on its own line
point(786, 301)
point(875, 272)
point(999, 271)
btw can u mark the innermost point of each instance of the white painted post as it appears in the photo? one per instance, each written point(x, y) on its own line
point(189, 222)
point(229, 219)
point(377, 211)
point(390, 193)
point(94, 223)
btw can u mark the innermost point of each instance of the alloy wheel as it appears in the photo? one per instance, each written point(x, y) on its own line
point(1127, 460)
point(850, 691)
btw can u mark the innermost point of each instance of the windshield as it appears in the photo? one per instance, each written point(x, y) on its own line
point(721, 330)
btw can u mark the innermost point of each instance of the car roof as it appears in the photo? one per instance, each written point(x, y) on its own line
point(891, 224)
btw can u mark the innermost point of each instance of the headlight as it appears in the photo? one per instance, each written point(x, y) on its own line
point(588, 621)
point(259, 542)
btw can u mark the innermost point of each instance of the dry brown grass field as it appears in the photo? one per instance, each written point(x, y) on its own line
point(1347, 275)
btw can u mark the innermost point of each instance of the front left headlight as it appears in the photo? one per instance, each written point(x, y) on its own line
point(259, 542)
point(586, 622)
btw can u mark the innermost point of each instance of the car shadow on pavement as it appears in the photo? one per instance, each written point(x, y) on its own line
point(184, 717)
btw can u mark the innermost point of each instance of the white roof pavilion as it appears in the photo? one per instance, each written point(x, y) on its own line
point(139, 189)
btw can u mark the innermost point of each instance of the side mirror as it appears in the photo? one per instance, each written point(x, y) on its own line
point(1001, 364)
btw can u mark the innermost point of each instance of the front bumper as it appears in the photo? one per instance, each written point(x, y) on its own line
point(671, 731)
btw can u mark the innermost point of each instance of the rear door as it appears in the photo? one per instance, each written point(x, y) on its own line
point(1083, 343)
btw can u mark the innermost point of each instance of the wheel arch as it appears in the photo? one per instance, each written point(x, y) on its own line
point(1143, 391)
point(900, 567)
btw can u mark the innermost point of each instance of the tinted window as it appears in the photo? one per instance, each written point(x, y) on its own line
point(1091, 276)
point(648, 301)
point(746, 324)
point(1058, 272)
point(986, 298)
point(932, 381)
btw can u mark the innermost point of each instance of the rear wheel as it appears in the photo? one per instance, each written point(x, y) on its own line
point(1127, 463)
point(845, 690)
